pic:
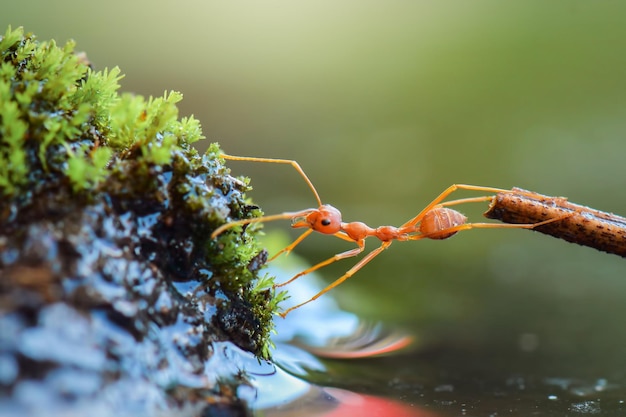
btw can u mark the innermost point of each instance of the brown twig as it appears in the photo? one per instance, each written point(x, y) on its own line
point(585, 226)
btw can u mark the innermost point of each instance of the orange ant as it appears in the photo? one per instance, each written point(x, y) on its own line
point(435, 221)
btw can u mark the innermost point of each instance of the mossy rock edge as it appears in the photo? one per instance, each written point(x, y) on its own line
point(107, 268)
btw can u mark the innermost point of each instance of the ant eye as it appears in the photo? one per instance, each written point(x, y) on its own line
point(325, 222)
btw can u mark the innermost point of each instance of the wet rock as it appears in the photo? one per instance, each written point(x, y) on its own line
point(112, 294)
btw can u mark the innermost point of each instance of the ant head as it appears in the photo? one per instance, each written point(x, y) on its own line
point(326, 219)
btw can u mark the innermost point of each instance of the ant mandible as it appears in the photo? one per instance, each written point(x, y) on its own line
point(435, 221)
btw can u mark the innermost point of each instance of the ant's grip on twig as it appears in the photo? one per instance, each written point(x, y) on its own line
point(585, 226)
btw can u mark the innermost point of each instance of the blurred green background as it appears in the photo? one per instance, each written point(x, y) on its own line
point(385, 104)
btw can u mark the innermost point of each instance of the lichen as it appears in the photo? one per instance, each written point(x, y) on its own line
point(101, 187)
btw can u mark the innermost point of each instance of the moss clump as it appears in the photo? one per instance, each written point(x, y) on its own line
point(100, 187)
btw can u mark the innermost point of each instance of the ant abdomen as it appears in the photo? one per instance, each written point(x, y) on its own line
point(436, 221)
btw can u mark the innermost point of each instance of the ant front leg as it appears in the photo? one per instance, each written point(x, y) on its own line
point(303, 236)
point(287, 249)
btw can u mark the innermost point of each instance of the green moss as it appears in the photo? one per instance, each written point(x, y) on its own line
point(66, 133)
point(49, 99)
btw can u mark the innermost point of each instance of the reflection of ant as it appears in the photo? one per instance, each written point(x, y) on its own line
point(435, 221)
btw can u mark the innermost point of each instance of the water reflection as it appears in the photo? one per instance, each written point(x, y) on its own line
point(286, 387)
point(325, 330)
point(447, 376)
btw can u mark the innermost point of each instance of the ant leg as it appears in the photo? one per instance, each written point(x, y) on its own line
point(290, 247)
point(296, 242)
point(263, 219)
point(344, 277)
point(293, 163)
point(343, 255)
point(468, 226)
point(454, 187)
point(465, 200)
